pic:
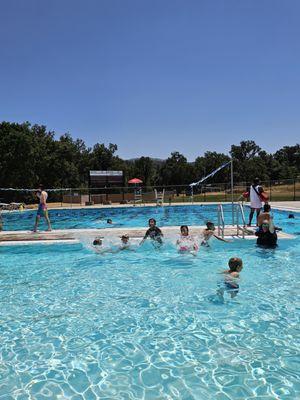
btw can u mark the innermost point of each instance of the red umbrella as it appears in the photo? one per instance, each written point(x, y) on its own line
point(135, 180)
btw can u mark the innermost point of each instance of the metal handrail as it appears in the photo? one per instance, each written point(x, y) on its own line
point(239, 211)
point(221, 221)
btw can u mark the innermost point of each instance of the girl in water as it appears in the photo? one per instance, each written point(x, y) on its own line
point(186, 242)
point(209, 232)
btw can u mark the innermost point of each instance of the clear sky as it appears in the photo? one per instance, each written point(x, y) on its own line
point(154, 76)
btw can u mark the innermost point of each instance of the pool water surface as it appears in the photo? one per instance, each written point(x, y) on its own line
point(128, 217)
point(148, 324)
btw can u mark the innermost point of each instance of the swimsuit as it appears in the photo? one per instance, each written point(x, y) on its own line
point(232, 287)
point(187, 243)
point(42, 210)
point(154, 233)
point(267, 239)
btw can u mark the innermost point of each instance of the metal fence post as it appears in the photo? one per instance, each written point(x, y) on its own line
point(294, 189)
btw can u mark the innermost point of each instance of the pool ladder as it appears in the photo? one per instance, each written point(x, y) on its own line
point(238, 215)
point(239, 212)
point(221, 221)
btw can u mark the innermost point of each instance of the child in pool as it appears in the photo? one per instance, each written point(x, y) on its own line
point(97, 245)
point(125, 244)
point(231, 277)
point(97, 242)
point(154, 233)
point(186, 242)
point(208, 233)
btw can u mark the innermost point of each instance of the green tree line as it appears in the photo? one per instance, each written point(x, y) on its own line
point(30, 154)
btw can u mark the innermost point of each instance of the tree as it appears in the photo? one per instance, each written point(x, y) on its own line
point(208, 163)
point(289, 159)
point(176, 170)
point(144, 169)
point(248, 162)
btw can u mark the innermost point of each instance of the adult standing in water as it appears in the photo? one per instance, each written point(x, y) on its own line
point(42, 209)
point(266, 235)
point(256, 203)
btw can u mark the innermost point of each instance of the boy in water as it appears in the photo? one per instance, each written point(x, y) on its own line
point(97, 244)
point(230, 279)
point(125, 245)
point(266, 216)
point(209, 232)
point(153, 232)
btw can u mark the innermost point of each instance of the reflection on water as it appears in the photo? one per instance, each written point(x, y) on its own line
point(148, 324)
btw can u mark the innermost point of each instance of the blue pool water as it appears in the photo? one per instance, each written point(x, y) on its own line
point(125, 217)
point(147, 324)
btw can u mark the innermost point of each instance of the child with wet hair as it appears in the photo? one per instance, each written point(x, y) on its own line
point(231, 275)
point(97, 245)
point(235, 265)
point(209, 232)
point(97, 242)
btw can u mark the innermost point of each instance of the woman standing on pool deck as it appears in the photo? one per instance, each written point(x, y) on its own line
point(42, 209)
point(256, 203)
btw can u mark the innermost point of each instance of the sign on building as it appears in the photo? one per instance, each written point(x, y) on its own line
point(106, 179)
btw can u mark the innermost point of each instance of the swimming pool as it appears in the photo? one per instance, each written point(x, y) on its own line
point(148, 324)
point(125, 217)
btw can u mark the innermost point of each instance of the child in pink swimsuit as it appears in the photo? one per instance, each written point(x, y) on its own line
point(186, 243)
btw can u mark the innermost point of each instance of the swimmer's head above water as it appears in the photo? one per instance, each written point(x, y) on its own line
point(152, 222)
point(184, 229)
point(210, 226)
point(125, 239)
point(235, 264)
point(97, 242)
point(265, 225)
point(109, 221)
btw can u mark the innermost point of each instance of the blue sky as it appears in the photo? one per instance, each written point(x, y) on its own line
point(154, 76)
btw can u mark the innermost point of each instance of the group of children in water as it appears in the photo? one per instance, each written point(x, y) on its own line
point(186, 243)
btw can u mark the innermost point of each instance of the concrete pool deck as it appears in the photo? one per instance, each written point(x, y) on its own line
point(76, 235)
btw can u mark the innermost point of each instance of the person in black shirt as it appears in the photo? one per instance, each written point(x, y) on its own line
point(266, 235)
point(153, 232)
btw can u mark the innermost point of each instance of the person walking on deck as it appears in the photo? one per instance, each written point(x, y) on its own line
point(42, 209)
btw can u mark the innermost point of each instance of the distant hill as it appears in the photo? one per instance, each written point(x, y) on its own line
point(157, 161)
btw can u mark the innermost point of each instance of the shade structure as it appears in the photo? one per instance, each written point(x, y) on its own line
point(135, 180)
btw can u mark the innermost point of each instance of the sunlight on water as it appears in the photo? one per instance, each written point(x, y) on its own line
point(148, 324)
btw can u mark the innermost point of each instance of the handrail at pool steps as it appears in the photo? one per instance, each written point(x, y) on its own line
point(221, 221)
point(239, 211)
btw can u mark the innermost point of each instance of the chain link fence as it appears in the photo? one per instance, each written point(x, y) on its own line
point(280, 190)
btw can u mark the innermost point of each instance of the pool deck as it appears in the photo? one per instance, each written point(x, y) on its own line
point(76, 235)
